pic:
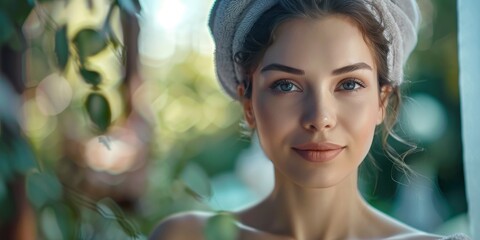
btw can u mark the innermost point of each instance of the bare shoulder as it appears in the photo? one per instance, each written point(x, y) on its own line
point(405, 232)
point(427, 236)
point(417, 235)
point(182, 226)
point(396, 230)
point(196, 225)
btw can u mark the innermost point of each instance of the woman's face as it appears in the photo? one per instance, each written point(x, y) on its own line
point(315, 101)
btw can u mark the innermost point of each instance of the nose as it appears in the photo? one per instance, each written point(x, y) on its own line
point(319, 114)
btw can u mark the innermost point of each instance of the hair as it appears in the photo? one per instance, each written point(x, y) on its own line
point(362, 14)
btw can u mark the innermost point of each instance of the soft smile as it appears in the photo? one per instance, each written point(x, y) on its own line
point(318, 152)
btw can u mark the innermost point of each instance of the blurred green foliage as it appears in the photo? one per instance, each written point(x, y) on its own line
point(221, 226)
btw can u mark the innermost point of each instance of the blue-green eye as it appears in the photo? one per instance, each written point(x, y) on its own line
point(351, 84)
point(284, 86)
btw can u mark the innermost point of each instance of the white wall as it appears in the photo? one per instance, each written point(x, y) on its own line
point(469, 60)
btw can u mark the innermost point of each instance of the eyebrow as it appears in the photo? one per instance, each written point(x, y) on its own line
point(351, 68)
point(338, 71)
point(283, 68)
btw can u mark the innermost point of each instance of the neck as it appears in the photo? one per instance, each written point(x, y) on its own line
point(313, 213)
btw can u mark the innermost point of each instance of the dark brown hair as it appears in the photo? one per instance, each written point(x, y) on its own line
point(362, 14)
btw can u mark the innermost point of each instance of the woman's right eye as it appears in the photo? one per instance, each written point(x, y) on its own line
point(285, 86)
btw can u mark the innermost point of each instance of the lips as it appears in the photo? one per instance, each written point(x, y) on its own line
point(318, 152)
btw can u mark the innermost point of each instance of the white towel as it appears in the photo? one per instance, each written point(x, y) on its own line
point(231, 20)
point(401, 19)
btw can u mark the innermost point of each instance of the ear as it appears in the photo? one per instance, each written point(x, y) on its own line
point(385, 92)
point(246, 105)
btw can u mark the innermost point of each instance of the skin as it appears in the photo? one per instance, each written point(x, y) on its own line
point(324, 99)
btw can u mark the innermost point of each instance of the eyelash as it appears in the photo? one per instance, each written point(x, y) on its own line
point(349, 80)
point(278, 83)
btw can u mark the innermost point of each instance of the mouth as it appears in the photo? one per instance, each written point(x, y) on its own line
point(315, 152)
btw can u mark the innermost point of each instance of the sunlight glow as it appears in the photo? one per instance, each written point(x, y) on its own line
point(115, 153)
point(170, 14)
point(53, 94)
point(425, 117)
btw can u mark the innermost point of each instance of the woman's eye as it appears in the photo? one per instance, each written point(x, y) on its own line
point(284, 86)
point(351, 85)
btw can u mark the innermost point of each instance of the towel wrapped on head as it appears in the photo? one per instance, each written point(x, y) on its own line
point(231, 20)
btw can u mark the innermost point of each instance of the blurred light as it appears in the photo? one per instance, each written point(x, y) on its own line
point(253, 180)
point(169, 14)
point(53, 95)
point(419, 204)
point(158, 40)
point(49, 224)
point(181, 114)
point(424, 117)
point(155, 46)
point(114, 153)
point(35, 123)
point(167, 26)
point(256, 170)
point(230, 193)
point(149, 97)
point(428, 13)
point(34, 26)
point(197, 180)
point(459, 223)
point(204, 43)
point(161, 101)
point(215, 111)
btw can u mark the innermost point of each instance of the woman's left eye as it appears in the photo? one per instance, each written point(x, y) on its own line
point(350, 85)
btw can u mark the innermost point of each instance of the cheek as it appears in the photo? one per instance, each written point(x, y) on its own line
point(359, 119)
point(272, 115)
point(275, 119)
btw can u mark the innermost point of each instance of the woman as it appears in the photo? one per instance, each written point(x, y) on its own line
point(315, 79)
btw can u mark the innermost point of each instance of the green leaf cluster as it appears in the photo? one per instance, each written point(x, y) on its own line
point(98, 110)
point(89, 42)
point(221, 226)
point(43, 188)
point(12, 16)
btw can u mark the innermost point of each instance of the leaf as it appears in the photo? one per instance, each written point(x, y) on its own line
point(49, 223)
point(43, 188)
point(221, 226)
point(65, 220)
point(6, 27)
point(9, 104)
point(3, 190)
point(32, 3)
point(18, 10)
point(119, 217)
point(23, 157)
point(131, 6)
point(6, 170)
point(61, 47)
point(39, 1)
point(197, 181)
point(89, 42)
point(91, 77)
point(17, 40)
point(98, 110)
point(114, 39)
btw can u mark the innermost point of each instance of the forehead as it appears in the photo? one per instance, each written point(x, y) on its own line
point(318, 44)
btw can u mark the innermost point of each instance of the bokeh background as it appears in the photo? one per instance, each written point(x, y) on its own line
point(174, 142)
